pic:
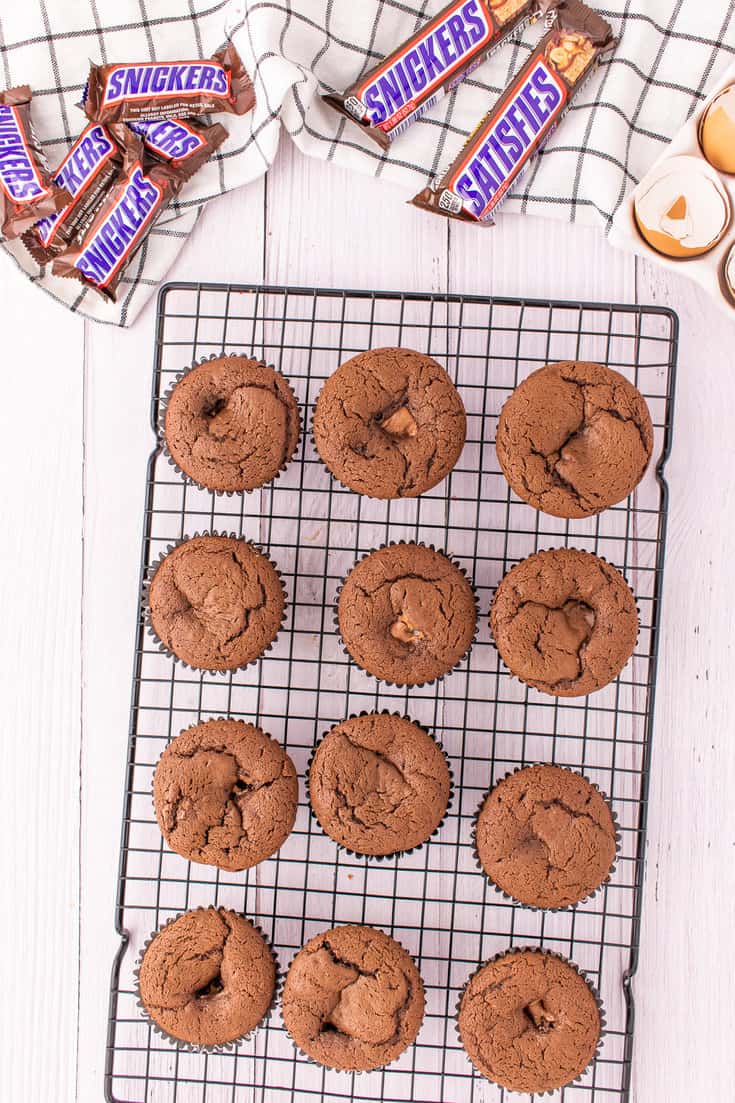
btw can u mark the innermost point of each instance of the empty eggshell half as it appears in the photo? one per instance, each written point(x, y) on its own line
point(717, 131)
point(683, 210)
point(728, 271)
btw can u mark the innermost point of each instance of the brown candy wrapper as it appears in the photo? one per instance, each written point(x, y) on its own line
point(185, 143)
point(27, 191)
point(142, 91)
point(420, 72)
point(122, 221)
point(499, 149)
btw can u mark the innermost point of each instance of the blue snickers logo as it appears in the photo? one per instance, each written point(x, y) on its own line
point(18, 174)
point(126, 82)
point(84, 159)
point(121, 230)
point(169, 138)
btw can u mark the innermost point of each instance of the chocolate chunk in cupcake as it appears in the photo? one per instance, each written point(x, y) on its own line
point(353, 999)
point(574, 438)
point(529, 1021)
point(546, 837)
point(379, 784)
point(389, 423)
point(232, 423)
point(207, 978)
point(564, 621)
point(407, 614)
point(225, 794)
point(216, 602)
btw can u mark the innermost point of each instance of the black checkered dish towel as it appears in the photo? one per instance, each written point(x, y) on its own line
point(670, 51)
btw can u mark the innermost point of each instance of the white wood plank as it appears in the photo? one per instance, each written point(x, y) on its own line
point(40, 593)
point(118, 442)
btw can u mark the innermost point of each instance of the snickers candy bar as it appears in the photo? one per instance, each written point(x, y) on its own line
point(140, 91)
point(412, 79)
point(27, 191)
point(499, 149)
point(183, 142)
point(86, 173)
point(123, 221)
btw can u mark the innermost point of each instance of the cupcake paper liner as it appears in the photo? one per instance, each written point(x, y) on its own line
point(552, 953)
point(354, 1072)
point(395, 853)
point(149, 575)
point(161, 425)
point(514, 899)
point(224, 1047)
point(595, 555)
point(455, 563)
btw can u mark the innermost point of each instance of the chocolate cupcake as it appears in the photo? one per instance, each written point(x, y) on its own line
point(546, 837)
point(225, 794)
point(379, 784)
point(389, 423)
point(216, 602)
point(574, 438)
point(353, 999)
point(407, 614)
point(231, 423)
point(207, 978)
point(564, 622)
point(529, 1021)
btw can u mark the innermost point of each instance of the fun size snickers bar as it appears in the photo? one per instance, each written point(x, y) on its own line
point(183, 142)
point(499, 149)
point(123, 221)
point(27, 191)
point(86, 173)
point(412, 79)
point(140, 91)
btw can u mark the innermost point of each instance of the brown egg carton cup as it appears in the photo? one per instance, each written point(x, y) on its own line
point(536, 907)
point(161, 425)
point(594, 555)
point(395, 853)
point(460, 568)
point(150, 572)
point(355, 1072)
point(184, 857)
point(707, 269)
point(191, 1047)
point(561, 957)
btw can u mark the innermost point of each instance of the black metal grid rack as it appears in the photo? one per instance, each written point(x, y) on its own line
point(435, 901)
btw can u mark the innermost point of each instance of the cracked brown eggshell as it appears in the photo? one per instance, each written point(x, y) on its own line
point(407, 614)
point(216, 602)
point(353, 999)
point(231, 423)
point(574, 438)
point(207, 978)
point(389, 423)
point(564, 622)
point(546, 837)
point(529, 1021)
point(225, 794)
point(379, 784)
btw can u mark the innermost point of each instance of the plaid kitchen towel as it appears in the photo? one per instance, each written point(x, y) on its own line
point(670, 50)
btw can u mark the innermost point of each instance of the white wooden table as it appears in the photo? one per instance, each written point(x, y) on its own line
point(74, 442)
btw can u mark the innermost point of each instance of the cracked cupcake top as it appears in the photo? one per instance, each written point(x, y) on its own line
point(225, 794)
point(574, 438)
point(389, 423)
point(353, 999)
point(564, 622)
point(216, 602)
point(529, 1021)
point(407, 614)
point(379, 784)
point(208, 978)
point(546, 837)
point(232, 423)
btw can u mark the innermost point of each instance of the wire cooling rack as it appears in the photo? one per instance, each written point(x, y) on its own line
point(435, 901)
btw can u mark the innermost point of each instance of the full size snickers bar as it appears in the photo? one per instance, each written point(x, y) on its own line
point(122, 223)
point(411, 80)
point(27, 191)
point(140, 91)
point(499, 149)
